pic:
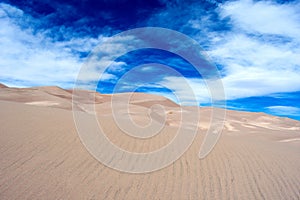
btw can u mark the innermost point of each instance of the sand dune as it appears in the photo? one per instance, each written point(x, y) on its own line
point(3, 86)
point(42, 157)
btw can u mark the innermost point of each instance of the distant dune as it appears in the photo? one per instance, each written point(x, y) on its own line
point(42, 157)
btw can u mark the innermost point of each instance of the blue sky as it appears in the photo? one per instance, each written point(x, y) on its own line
point(254, 44)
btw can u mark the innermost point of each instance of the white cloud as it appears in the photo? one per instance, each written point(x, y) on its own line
point(264, 17)
point(189, 91)
point(260, 82)
point(253, 67)
point(253, 82)
point(284, 110)
point(31, 58)
point(101, 62)
point(246, 51)
point(259, 64)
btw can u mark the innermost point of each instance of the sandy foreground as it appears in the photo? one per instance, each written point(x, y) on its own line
point(42, 156)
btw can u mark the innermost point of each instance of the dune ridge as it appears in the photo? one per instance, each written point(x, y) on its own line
point(42, 157)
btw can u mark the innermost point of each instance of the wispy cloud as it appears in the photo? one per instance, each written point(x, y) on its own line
point(29, 57)
point(191, 91)
point(284, 110)
point(257, 57)
point(266, 62)
point(264, 17)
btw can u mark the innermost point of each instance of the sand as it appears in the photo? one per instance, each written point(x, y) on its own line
point(42, 157)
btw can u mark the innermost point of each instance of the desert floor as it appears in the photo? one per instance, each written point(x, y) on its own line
point(42, 156)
